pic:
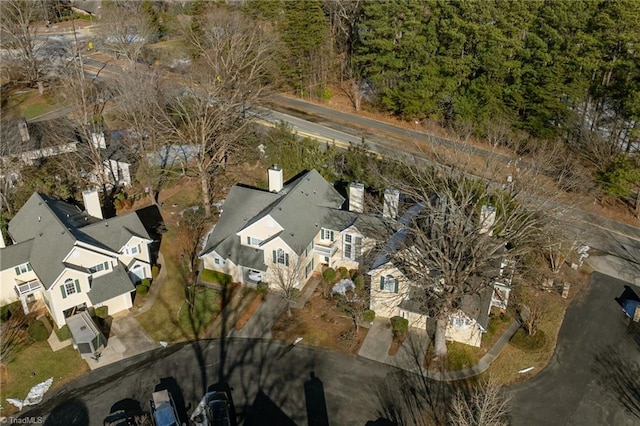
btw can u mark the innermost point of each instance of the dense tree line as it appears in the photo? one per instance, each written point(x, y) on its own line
point(547, 72)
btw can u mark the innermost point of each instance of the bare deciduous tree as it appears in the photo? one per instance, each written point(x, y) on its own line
point(460, 230)
point(18, 24)
point(125, 29)
point(236, 58)
point(190, 231)
point(139, 108)
point(13, 334)
point(484, 405)
point(287, 279)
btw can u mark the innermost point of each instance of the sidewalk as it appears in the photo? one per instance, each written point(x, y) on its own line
point(154, 289)
point(378, 340)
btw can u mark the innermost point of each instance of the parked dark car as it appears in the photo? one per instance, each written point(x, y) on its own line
point(216, 408)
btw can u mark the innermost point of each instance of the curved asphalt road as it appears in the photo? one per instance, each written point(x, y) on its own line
point(272, 385)
point(594, 375)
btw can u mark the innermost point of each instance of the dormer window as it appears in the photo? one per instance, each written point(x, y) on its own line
point(99, 267)
point(254, 241)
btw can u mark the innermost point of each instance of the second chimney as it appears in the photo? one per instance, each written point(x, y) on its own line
point(487, 219)
point(92, 203)
point(275, 179)
point(390, 206)
point(356, 197)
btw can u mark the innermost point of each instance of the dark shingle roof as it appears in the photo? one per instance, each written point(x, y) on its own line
point(54, 226)
point(301, 208)
point(476, 306)
point(115, 232)
point(111, 285)
point(37, 220)
point(15, 254)
point(242, 204)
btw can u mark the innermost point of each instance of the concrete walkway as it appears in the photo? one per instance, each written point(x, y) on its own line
point(154, 289)
point(409, 357)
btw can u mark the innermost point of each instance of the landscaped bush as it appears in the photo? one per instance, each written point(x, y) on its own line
point(64, 333)
point(142, 290)
point(329, 275)
point(215, 277)
point(146, 282)
point(400, 326)
point(102, 312)
point(155, 270)
point(262, 289)
point(344, 272)
point(38, 331)
point(368, 315)
point(358, 281)
point(526, 342)
point(7, 310)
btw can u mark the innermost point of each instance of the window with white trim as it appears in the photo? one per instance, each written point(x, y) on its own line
point(326, 234)
point(216, 260)
point(459, 321)
point(135, 249)
point(99, 267)
point(23, 269)
point(280, 257)
point(388, 283)
point(309, 268)
point(352, 246)
point(252, 241)
point(69, 287)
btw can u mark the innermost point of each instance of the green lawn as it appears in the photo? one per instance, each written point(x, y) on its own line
point(63, 365)
point(206, 308)
point(168, 319)
point(34, 110)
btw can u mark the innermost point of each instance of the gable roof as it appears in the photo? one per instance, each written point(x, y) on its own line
point(15, 254)
point(305, 204)
point(39, 220)
point(53, 227)
point(108, 286)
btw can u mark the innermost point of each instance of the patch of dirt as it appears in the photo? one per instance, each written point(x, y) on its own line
point(319, 323)
point(248, 313)
point(395, 347)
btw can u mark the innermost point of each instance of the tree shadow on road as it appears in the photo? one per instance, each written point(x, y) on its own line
point(620, 376)
point(72, 412)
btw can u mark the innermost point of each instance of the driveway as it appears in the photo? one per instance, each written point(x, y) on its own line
point(594, 375)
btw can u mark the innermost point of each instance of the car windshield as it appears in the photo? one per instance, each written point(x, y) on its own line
point(164, 415)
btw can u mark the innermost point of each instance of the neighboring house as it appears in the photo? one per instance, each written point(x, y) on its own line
point(392, 292)
point(25, 143)
point(301, 224)
point(72, 259)
point(117, 165)
point(297, 225)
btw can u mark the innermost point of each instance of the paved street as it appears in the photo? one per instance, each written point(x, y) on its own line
point(269, 380)
point(595, 370)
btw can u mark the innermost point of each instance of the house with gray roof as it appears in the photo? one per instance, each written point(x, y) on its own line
point(393, 291)
point(299, 225)
point(73, 259)
point(302, 225)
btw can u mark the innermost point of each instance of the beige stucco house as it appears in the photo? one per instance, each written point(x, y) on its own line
point(296, 225)
point(71, 259)
point(301, 225)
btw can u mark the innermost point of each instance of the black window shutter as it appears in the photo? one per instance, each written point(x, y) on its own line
point(64, 292)
point(382, 282)
point(77, 286)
